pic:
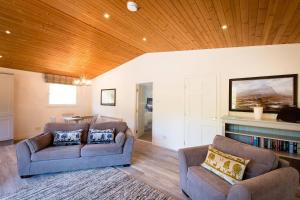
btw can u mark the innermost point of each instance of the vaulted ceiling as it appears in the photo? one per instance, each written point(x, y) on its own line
point(72, 37)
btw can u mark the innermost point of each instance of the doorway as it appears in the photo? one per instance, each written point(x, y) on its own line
point(144, 109)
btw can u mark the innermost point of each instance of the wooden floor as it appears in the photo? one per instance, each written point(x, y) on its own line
point(145, 167)
point(147, 136)
point(153, 165)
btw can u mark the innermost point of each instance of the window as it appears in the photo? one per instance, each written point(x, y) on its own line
point(60, 94)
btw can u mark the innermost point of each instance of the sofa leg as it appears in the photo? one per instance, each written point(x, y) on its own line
point(127, 165)
point(185, 193)
point(27, 176)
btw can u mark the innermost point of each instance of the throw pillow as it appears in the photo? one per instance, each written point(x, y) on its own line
point(63, 138)
point(229, 167)
point(39, 142)
point(120, 138)
point(105, 136)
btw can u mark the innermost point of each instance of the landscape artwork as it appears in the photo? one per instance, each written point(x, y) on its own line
point(272, 93)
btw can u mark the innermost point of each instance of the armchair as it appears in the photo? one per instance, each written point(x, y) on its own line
point(266, 177)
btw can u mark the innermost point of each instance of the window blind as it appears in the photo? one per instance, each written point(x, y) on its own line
point(53, 78)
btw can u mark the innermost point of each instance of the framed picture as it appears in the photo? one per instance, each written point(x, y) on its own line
point(270, 92)
point(108, 97)
point(149, 107)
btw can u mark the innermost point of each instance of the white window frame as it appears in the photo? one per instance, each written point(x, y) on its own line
point(62, 105)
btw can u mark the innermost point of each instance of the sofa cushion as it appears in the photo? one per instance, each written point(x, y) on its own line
point(119, 126)
point(51, 127)
point(96, 136)
point(205, 185)
point(261, 160)
point(229, 167)
point(39, 142)
point(57, 153)
point(100, 149)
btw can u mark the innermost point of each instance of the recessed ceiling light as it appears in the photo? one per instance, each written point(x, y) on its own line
point(8, 32)
point(132, 6)
point(144, 39)
point(1, 56)
point(106, 15)
point(224, 27)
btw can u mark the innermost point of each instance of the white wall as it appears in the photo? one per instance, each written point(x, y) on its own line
point(31, 109)
point(168, 71)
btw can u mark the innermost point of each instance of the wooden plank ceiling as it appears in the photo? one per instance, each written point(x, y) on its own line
point(72, 37)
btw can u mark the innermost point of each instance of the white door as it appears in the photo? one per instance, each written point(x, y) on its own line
point(6, 106)
point(200, 110)
point(140, 111)
point(6, 132)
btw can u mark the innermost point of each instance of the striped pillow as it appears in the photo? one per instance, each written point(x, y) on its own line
point(229, 167)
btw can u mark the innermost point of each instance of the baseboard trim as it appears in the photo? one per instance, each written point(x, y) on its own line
point(6, 142)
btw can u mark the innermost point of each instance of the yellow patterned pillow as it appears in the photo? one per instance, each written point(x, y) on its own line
point(229, 167)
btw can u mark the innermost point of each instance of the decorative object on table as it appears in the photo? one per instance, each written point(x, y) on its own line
point(108, 97)
point(101, 183)
point(273, 92)
point(258, 111)
point(149, 107)
point(289, 114)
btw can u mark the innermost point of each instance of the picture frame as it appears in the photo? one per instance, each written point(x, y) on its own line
point(270, 92)
point(149, 104)
point(108, 97)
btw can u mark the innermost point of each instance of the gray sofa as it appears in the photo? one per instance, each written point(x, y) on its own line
point(66, 158)
point(266, 177)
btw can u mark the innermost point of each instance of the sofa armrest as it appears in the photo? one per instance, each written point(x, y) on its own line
point(279, 184)
point(187, 157)
point(128, 132)
point(23, 158)
point(128, 146)
point(40, 142)
point(283, 163)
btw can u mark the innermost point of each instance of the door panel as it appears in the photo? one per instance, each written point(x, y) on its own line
point(6, 94)
point(6, 106)
point(5, 128)
point(200, 110)
point(140, 111)
point(208, 134)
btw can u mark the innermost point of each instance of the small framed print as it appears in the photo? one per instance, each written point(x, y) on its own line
point(108, 97)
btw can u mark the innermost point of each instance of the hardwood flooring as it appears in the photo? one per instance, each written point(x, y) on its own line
point(153, 165)
point(147, 136)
